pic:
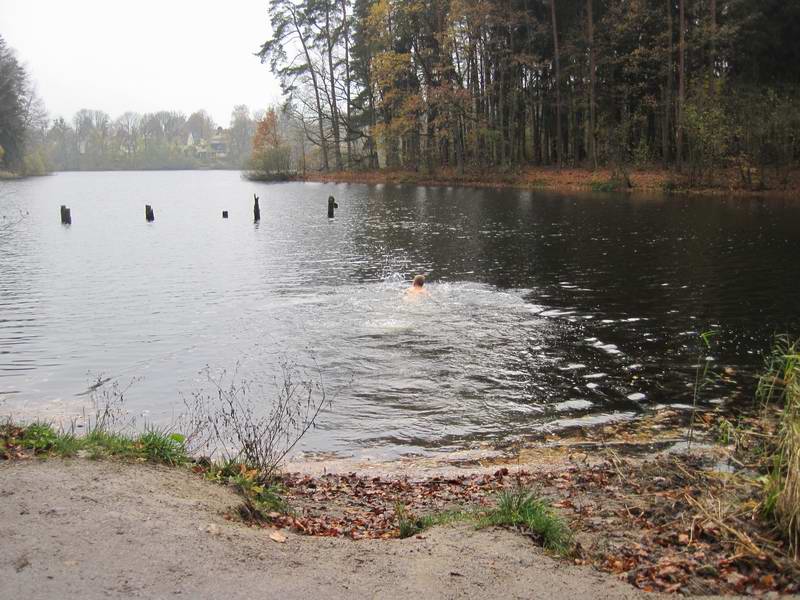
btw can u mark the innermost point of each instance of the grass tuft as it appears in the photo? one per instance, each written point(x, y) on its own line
point(518, 508)
point(39, 437)
point(780, 385)
point(521, 508)
point(409, 525)
point(160, 446)
point(260, 498)
point(100, 444)
point(66, 445)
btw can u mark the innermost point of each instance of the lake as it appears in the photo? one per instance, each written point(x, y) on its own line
point(546, 311)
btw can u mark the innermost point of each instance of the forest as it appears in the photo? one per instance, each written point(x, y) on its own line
point(709, 89)
point(424, 85)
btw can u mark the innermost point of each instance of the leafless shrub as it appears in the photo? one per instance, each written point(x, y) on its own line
point(244, 421)
point(107, 411)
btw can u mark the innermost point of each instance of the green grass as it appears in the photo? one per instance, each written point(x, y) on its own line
point(517, 508)
point(410, 525)
point(521, 508)
point(260, 498)
point(265, 498)
point(99, 443)
point(780, 386)
point(41, 439)
point(161, 446)
point(66, 445)
point(701, 378)
point(153, 445)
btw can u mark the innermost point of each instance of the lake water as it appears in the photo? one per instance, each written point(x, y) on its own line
point(546, 311)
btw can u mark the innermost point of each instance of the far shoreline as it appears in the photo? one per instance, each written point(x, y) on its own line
point(574, 179)
point(661, 181)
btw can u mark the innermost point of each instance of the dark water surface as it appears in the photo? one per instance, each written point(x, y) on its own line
point(546, 311)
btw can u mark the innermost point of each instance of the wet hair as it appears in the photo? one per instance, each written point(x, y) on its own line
point(419, 281)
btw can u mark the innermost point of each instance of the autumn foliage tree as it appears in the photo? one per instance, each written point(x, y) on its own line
point(271, 156)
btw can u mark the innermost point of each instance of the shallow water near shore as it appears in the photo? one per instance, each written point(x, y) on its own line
point(546, 311)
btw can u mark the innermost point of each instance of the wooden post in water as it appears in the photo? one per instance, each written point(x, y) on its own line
point(224, 214)
point(149, 215)
point(331, 206)
point(66, 215)
point(256, 209)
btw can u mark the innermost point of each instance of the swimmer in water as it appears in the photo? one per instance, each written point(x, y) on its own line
point(417, 288)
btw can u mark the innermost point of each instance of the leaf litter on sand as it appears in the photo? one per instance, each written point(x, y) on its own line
point(670, 524)
point(359, 507)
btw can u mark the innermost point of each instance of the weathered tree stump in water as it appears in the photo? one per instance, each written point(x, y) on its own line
point(149, 215)
point(66, 215)
point(224, 214)
point(256, 210)
point(331, 206)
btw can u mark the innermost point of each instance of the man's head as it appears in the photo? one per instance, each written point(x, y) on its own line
point(419, 281)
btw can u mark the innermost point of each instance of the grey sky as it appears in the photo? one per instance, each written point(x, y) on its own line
point(142, 56)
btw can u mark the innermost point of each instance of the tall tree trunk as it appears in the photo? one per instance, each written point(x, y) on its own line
point(477, 108)
point(348, 126)
point(547, 126)
point(592, 82)
point(537, 131)
point(323, 143)
point(459, 145)
point(713, 10)
point(501, 111)
point(485, 148)
point(666, 124)
point(571, 151)
point(303, 150)
point(337, 147)
point(559, 138)
point(681, 81)
point(374, 162)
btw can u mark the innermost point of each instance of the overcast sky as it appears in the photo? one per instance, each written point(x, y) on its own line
point(143, 56)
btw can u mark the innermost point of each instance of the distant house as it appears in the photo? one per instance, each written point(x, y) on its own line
point(196, 146)
point(216, 148)
point(219, 144)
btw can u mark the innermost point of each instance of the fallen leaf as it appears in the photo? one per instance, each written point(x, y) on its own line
point(277, 536)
